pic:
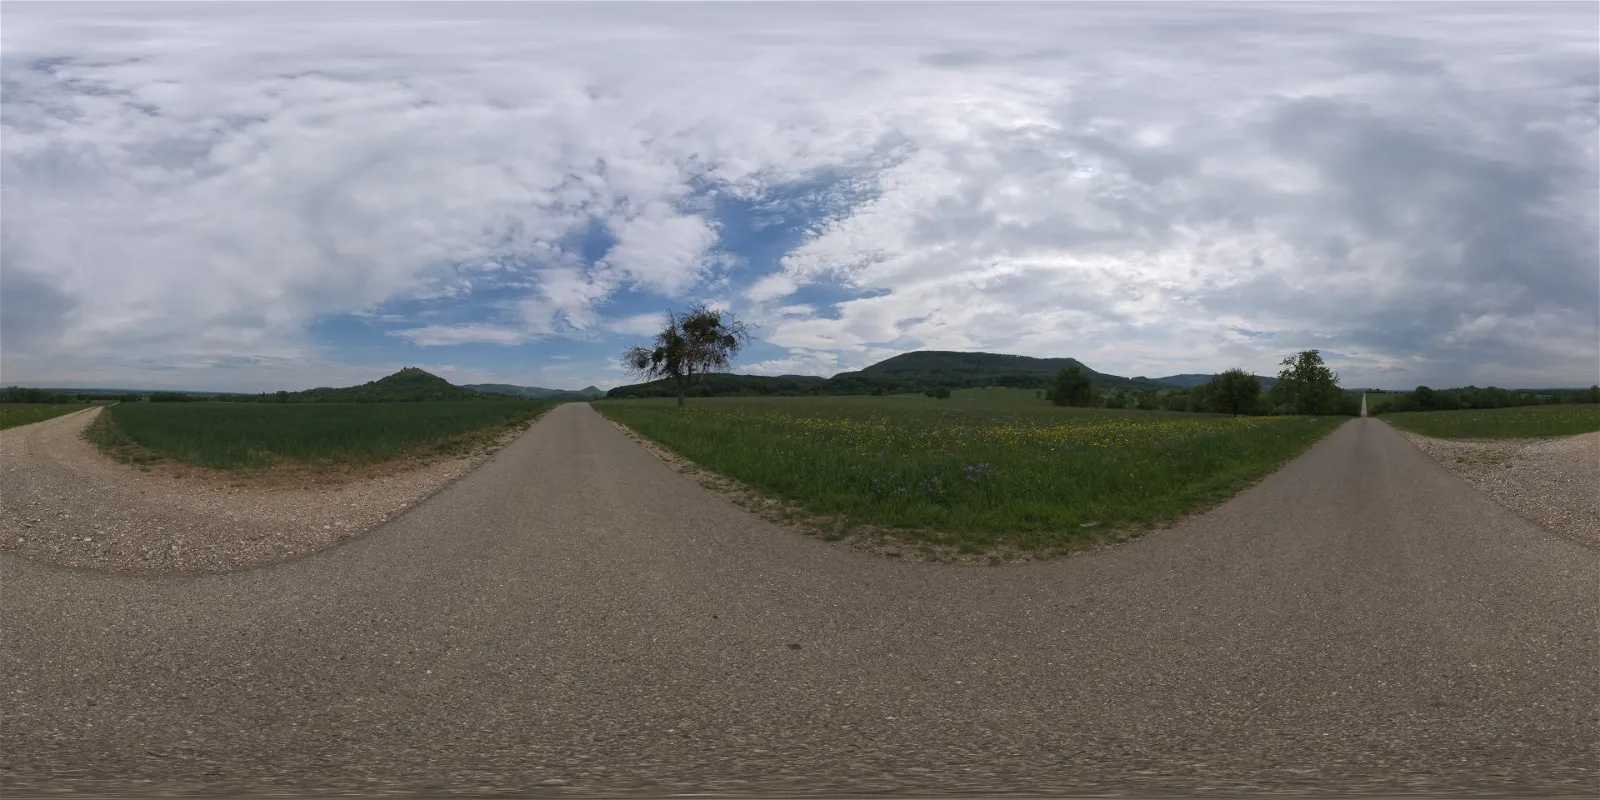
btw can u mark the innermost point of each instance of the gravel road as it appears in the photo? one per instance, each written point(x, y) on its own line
point(63, 502)
point(575, 617)
point(1553, 481)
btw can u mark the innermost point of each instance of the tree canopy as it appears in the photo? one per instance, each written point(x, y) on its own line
point(1307, 386)
point(693, 343)
point(1233, 392)
point(1072, 388)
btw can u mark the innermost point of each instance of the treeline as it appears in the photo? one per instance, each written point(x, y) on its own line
point(1211, 398)
point(903, 383)
point(19, 394)
point(409, 385)
point(1425, 399)
point(1305, 385)
point(719, 384)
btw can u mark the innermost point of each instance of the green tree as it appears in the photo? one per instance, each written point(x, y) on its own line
point(1234, 392)
point(693, 343)
point(1423, 398)
point(1072, 388)
point(1307, 386)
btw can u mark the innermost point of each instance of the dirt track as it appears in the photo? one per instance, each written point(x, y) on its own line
point(63, 502)
point(576, 617)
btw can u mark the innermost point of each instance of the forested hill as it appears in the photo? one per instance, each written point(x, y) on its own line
point(909, 372)
point(408, 385)
point(930, 368)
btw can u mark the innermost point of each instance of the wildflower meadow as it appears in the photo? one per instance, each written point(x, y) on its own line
point(994, 470)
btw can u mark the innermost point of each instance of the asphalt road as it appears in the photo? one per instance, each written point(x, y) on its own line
point(576, 617)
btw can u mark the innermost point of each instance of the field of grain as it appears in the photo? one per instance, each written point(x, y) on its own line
point(237, 436)
point(1500, 423)
point(14, 414)
point(982, 468)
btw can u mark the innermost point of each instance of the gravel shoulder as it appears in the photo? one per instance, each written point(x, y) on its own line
point(1554, 482)
point(65, 503)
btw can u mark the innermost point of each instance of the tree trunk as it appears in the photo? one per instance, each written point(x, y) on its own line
point(680, 397)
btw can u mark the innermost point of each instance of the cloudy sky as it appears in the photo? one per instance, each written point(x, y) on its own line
point(276, 196)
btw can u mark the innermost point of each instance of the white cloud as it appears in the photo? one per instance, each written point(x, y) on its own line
point(638, 324)
point(1413, 189)
point(445, 335)
point(661, 250)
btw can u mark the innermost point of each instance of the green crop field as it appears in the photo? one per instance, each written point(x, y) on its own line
point(14, 414)
point(1566, 419)
point(985, 467)
point(1378, 402)
point(251, 435)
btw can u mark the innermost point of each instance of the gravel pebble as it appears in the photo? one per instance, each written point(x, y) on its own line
point(1552, 481)
point(64, 502)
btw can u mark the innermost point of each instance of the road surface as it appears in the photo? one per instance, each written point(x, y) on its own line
point(576, 617)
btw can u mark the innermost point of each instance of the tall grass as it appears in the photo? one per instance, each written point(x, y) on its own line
point(1496, 423)
point(972, 474)
point(14, 414)
point(252, 435)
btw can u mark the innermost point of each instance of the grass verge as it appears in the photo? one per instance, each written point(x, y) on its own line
point(249, 436)
point(1500, 423)
point(14, 414)
point(973, 476)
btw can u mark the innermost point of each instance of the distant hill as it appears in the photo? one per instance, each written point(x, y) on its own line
point(912, 372)
point(719, 384)
point(410, 385)
point(929, 368)
point(1189, 380)
point(537, 392)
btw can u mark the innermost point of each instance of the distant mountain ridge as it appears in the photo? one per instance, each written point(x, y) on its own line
point(537, 392)
point(918, 371)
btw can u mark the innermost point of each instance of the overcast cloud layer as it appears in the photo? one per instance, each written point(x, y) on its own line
point(280, 196)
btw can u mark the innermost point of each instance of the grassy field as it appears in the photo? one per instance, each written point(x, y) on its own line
point(986, 467)
point(251, 435)
point(1378, 402)
point(1497, 423)
point(14, 414)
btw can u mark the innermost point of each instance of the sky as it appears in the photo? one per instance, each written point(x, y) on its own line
point(257, 197)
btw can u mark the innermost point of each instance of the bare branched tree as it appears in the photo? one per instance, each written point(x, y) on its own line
point(693, 343)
